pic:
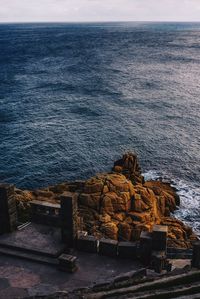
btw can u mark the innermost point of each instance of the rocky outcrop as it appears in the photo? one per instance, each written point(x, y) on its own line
point(119, 205)
point(113, 207)
point(129, 166)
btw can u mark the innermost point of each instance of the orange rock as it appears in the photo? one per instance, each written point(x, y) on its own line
point(124, 233)
point(117, 169)
point(93, 188)
point(120, 204)
point(128, 220)
point(42, 193)
point(110, 230)
point(139, 205)
point(119, 216)
point(90, 200)
point(104, 218)
point(158, 187)
point(140, 217)
point(135, 234)
point(129, 167)
point(120, 207)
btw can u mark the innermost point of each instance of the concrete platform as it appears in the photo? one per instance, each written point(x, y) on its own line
point(36, 239)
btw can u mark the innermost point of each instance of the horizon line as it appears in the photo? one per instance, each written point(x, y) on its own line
point(93, 22)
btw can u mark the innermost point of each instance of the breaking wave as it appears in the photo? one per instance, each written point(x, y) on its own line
point(189, 197)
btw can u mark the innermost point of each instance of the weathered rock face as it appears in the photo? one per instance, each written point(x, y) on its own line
point(129, 166)
point(113, 207)
point(119, 205)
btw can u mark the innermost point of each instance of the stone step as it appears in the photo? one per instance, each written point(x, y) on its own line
point(178, 250)
point(181, 256)
point(191, 296)
point(164, 284)
point(29, 256)
point(176, 292)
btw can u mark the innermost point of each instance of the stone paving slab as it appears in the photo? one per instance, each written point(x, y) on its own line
point(13, 293)
point(35, 237)
point(21, 278)
point(4, 283)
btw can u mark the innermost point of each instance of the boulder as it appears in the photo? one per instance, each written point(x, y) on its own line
point(129, 166)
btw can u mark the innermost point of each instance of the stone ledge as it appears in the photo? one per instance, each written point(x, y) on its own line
point(87, 244)
point(127, 250)
point(108, 247)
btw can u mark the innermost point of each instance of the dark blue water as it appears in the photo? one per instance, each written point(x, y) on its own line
point(74, 97)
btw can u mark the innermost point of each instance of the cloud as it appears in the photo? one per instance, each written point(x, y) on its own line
point(99, 10)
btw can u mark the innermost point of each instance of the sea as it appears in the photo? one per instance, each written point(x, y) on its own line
point(75, 97)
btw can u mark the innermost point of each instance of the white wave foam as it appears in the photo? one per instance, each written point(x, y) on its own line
point(189, 210)
point(151, 175)
point(189, 193)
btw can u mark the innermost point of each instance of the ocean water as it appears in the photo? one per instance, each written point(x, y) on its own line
point(75, 97)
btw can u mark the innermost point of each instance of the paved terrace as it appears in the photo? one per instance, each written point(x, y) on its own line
point(22, 278)
point(35, 237)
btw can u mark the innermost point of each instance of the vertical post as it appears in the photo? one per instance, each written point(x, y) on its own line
point(158, 261)
point(69, 217)
point(196, 255)
point(8, 210)
point(159, 237)
point(159, 246)
point(145, 248)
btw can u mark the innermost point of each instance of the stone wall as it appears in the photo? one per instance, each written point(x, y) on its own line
point(69, 218)
point(8, 211)
point(45, 213)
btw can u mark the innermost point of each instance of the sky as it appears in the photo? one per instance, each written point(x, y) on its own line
point(98, 10)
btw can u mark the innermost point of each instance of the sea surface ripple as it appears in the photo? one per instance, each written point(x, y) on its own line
point(74, 97)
